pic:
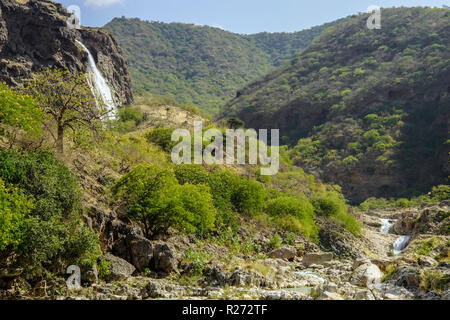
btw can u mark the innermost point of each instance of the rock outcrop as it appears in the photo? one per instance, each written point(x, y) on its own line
point(34, 35)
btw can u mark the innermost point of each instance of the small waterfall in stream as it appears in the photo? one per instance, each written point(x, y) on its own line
point(401, 242)
point(98, 84)
point(386, 225)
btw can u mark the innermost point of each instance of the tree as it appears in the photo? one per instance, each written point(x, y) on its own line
point(18, 110)
point(66, 97)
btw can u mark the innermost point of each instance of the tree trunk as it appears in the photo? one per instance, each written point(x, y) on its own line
point(60, 141)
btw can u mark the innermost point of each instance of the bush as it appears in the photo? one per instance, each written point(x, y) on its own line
point(440, 193)
point(293, 214)
point(131, 114)
point(223, 185)
point(248, 197)
point(162, 137)
point(14, 218)
point(152, 196)
point(46, 234)
point(275, 241)
point(48, 181)
point(333, 206)
point(20, 111)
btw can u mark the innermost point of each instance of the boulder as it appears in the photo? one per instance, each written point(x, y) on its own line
point(141, 251)
point(164, 257)
point(316, 258)
point(286, 252)
point(427, 262)
point(366, 275)
point(119, 269)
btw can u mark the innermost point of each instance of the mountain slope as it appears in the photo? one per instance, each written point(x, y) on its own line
point(201, 65)
point(371, 107)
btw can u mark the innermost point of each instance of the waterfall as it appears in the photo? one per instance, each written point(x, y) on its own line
point(386, 225)
point(98, 84)
point(401, 244)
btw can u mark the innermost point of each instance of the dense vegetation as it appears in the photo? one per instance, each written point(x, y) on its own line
point(370, 107)
point(155, 197)
point(197, 65)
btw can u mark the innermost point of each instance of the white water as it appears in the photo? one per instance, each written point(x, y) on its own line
point(386, 225)
point(98, 84)
point(401, 244)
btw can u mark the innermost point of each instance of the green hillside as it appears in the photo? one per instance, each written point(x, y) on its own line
point(370, 107)
point(201, 65)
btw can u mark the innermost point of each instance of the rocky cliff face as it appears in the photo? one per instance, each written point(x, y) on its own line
point(34, 35)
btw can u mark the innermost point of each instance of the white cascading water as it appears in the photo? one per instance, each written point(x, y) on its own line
point(386, 225)
point(401, 242)
point(98, 84)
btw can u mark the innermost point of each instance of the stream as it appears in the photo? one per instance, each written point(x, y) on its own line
point(401, 242)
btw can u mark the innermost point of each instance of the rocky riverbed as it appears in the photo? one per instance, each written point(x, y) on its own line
point(143, 269)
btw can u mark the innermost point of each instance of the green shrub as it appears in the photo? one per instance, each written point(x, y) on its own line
point(49, 233)
point(131, 114)
point(440, 193)
point(249, 197)
point(223, 185)
point(51, 184)
point(162, 137)
point(52, 241)
point(275, 241)
point(20, 111)
point(14, 218)
point(333, 206)
point(293, 214)
point(152, 196)
point(191, 173)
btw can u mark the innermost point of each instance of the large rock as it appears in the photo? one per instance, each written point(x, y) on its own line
point(287, 252)
point(316, 258)
point(141, 251)
point(119, 269)
point(367, 274)
point(34, 35)
point(164, 257)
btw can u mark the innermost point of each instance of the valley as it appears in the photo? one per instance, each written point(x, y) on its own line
point(359, 209)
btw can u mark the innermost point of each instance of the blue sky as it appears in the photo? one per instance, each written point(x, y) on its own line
point(240, 16)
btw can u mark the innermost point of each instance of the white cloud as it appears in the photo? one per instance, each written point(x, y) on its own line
point(101, 3)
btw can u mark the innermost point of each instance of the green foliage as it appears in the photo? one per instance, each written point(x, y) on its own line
point(162, 137)
point(40, 223)
point(333, 206)
point(249, 197)
point(49, 182)
point(129, 118)
point(198, 260)
point(14, 218)
point(68, 102)
point(323, 101)
point(20, 111)
point(440, 193)
point(284, 209)
point(201, 65)
point(152, 196)
point(275, 241)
